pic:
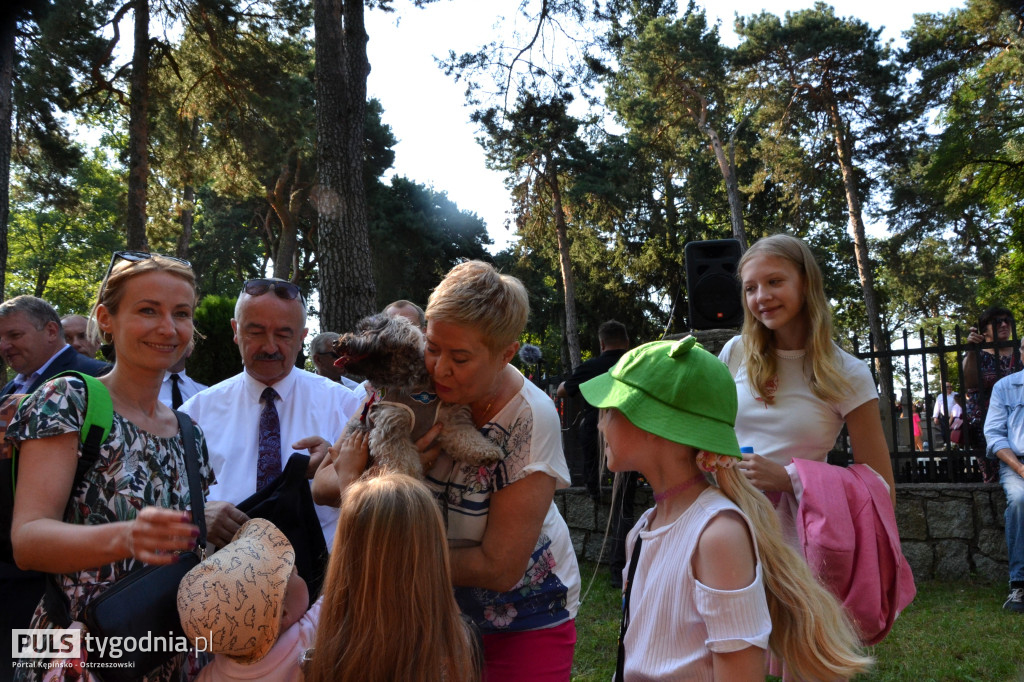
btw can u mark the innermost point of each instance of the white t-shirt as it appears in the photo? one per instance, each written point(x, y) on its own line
point(676, 622)
point(947, 404)
point(229, 413)
point(797, 424)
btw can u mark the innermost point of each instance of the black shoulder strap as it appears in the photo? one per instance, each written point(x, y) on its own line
point(195, 488)
point(55, 601)
point(620, 660)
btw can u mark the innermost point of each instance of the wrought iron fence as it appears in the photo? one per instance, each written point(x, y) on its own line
point(940, 460)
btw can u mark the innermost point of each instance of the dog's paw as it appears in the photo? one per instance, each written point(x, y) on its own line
point(470, 446)
point(463, 441)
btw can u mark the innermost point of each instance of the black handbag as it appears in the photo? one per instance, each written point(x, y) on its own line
point(287, 502)
point(143, 603)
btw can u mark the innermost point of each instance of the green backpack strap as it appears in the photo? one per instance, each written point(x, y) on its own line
point(96, 424)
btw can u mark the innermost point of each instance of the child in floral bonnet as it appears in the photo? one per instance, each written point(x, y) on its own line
point(247, 605)
point(710, 585)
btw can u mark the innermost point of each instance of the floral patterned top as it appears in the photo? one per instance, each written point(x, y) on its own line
point(991, 368)
point(135, 469)
point(528, 431)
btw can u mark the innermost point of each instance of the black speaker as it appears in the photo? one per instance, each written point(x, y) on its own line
point(712, 285)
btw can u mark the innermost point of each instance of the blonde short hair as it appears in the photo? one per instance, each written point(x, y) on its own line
point(476, 295)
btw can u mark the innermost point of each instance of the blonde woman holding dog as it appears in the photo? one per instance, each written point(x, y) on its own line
point(513, 564)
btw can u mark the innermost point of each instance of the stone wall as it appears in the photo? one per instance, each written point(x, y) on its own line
point(948, 530)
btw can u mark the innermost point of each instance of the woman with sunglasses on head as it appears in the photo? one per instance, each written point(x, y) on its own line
point(983, 367)
point(132, 506)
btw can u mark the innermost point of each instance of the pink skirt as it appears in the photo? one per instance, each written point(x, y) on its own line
point(535, 655)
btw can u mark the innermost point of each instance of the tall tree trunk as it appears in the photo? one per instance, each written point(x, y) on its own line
point(347, 291)
point(288, 239)
point(7, 26)
point(860, 245)
point(726, 162)
point(138, 132)
point(188, 197)
point(572, 333)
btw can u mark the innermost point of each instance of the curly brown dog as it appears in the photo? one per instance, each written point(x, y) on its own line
point(388, 351)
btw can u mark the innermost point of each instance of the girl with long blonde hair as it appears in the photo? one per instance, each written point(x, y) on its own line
point(388, 611)
point(711, 583)
point(795, 387)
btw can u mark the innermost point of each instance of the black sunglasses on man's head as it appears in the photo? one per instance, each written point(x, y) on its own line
point(281, 289)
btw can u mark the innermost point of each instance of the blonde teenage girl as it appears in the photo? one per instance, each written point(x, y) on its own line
point(795, 387)
point(713, 585)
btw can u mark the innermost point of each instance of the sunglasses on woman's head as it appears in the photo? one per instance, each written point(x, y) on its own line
point(135, 257)
point(287, 290)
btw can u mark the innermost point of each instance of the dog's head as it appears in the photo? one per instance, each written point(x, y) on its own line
point(386, 350)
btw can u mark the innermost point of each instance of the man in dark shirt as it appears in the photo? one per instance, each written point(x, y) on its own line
point(614, 341)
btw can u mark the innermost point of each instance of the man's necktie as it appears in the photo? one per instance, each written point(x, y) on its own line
point(176, 400)
point(268, 466)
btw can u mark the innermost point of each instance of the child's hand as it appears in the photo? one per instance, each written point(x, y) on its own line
point(351, 455)
point(765, 474)
point(429, 447)
point(345, 462)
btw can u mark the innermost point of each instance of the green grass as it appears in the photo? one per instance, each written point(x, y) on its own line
point(951, 631)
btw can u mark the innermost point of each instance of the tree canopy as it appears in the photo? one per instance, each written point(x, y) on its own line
point(625, 128)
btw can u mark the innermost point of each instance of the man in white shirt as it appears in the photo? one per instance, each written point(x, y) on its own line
point(269, 327)
point(322, 350)
point(946, 410)
point(186, 385)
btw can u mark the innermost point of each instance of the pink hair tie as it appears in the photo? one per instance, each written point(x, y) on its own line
point(711, 462)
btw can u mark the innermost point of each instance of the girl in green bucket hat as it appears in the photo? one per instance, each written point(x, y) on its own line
point(710, 584)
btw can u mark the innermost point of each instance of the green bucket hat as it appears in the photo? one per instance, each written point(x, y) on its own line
point(673, 389)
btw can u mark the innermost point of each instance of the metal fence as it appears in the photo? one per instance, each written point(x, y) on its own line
point(940, 460)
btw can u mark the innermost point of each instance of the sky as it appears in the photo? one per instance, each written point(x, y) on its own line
point(427, 112)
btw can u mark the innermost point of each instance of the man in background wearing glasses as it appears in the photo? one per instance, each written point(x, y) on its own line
point(269, 327)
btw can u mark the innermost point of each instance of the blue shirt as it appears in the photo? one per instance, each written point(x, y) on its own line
point(1004, 424)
